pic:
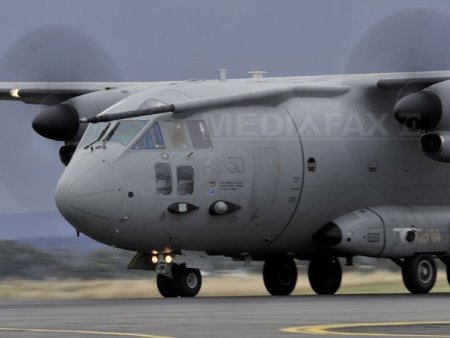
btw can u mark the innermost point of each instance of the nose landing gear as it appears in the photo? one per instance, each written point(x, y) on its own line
point(183, 282)
point(166, 286)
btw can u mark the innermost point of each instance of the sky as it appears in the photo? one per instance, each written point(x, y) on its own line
point(175, 40)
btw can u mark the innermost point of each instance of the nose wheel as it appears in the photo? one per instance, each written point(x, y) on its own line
point(419, 273)
point(166, 286)
point(185, 282)
point(280, 276)
point(447, 268)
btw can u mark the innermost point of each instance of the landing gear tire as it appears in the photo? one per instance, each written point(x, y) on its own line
point(448, 274)
point(419, 273)
point(325, 275)
point(166, 286)
point(187, 281)
point(446, 261)
point(280, 276)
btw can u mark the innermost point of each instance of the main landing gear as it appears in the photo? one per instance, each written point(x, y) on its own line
point(325, 275)
point(280, 275)
point(446, 261)
point(419, 273)
point(184, 282)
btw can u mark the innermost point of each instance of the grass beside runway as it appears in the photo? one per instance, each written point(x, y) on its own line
point(224, 285)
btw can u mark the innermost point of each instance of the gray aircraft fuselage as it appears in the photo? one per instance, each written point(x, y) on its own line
point(289, 167)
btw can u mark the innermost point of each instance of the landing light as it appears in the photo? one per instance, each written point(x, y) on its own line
point(168, 259)
point(14, 92)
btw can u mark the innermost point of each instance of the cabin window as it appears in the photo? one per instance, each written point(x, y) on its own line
point(176, 134)
point(199, 134)
point(152, 139)
point(163, 173)
point(185, 180)
point(125, 131)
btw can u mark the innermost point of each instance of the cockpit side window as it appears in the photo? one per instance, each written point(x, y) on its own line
point(124, 131)
point(163, 174)
point(177, 135)
point(199, 134)
point(152, 139)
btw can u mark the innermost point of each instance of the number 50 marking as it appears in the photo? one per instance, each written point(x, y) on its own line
point(236, 164)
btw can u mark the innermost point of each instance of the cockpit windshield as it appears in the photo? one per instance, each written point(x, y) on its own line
point(152, 139)
point(94, 133)
point(124, 131)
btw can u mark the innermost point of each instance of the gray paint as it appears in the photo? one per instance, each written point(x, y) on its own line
point(364, 158)
point(145, 46)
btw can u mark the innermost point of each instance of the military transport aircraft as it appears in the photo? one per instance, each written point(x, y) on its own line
point(319, 168)
point(273, 169)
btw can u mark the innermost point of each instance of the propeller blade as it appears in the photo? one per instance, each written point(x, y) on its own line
point(410, 40)
point(56, 53)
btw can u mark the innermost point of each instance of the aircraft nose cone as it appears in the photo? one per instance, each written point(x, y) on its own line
point(330, 234)
point(89, 196)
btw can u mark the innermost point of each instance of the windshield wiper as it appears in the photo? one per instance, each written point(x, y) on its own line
point(113, 130)
point(99, 136)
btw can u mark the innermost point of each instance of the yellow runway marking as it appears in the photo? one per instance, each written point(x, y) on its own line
point(82, 332)
point(331, 329)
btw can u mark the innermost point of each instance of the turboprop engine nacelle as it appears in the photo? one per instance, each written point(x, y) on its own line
point(389, 231)
point(60, 122)
point(436, 146)
point(428, 110)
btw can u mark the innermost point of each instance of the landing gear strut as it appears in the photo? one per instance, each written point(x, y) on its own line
point(325, 275)
point(280, 276)
point(185, 282)
point(419, 273)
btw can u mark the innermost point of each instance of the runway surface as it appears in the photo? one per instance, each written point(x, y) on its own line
point(231, 317)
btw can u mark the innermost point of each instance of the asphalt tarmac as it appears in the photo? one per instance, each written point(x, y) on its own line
point(294, 316)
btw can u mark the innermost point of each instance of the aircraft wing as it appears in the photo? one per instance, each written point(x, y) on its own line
point(57, 92)
point(397, 84)
point(54, 92)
